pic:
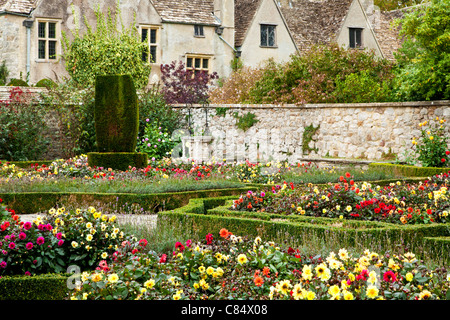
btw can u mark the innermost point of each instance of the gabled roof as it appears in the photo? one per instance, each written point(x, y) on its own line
point(186, 11)
point(314, 22)
point(17, 6)
point(244, 11)
point(387, 33)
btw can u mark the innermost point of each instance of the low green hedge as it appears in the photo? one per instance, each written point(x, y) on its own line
point(38, 287)
point(117, 160)
point(202, 216)
point(33, 202)
point(408, 171)
point(438, 246)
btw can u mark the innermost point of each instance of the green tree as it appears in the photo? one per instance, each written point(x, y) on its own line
point(423, 71)
point(110, 49)
point(387, 5)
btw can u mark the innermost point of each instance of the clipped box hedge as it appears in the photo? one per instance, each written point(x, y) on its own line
point(407, 170)
point(117, 160)
point(439, 246)
point(34, 202)
point(202, 216)
point(37, 287)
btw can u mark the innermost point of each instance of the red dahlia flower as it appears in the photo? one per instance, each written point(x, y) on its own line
point(389, 276)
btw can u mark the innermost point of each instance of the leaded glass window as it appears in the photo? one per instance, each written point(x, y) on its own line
point(268, 36)
point(47, 40)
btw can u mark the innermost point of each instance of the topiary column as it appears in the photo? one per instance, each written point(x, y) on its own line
point(116, 118)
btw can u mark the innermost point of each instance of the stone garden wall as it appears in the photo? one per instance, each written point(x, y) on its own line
point(371, 131)
point(374, 131)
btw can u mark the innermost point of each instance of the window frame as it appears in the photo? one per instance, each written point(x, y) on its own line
point(267, 26)
point(155, 44)
point(46, 39)
point(199, 31)
point(200, 57)
point(354, 31)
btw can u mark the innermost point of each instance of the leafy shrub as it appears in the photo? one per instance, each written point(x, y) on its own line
point(317, 76)
point(74, 108)
point(245, 121)
point(22, 127)
point(17, 83)
point(45, 83)
point(117, 160)
point(153, 106)
point(181, 85)
point(156, 141)
point(236, 88)
point(432, 149)
point(110, 49)
point(424, 58)
point(3, 73)
point(355, 86)
point(30, 287)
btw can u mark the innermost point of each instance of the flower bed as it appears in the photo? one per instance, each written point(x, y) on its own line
point(205, 215)
point(221, 266)
point(344, 214)
point(403, 203)
point(61, 172)
point(50, 244)
point(226, 266)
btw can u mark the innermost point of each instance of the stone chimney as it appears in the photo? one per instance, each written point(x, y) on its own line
point(287, 3)
point(224, 10)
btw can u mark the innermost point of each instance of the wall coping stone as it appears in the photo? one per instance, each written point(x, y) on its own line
point(407, 104)
point(342, 161)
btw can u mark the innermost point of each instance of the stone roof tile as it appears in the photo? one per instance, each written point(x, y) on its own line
point(186, 11)
point(314, 21)
point(244, 11)
point(17, 6)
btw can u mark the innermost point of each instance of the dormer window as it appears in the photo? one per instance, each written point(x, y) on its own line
point(268, 38)
point(355, 38)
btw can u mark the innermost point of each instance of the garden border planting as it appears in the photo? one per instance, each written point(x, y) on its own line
point(202, 216)
point(28, 164)
point(33, 202)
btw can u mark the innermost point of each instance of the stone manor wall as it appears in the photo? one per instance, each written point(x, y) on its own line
point(370, 131)
point(374, 131)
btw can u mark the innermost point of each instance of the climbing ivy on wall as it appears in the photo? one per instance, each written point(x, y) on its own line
point(245, 121)
point(308, 134)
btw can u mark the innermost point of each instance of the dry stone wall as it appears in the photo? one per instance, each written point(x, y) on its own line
point(373, 131)
point(10, 40)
